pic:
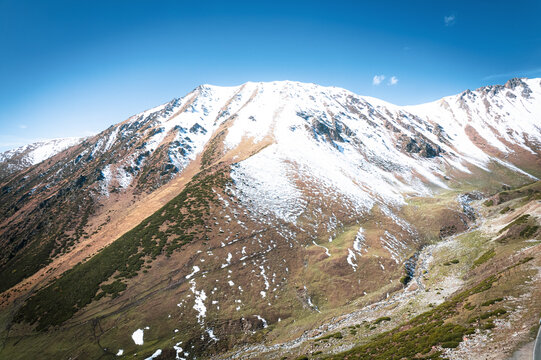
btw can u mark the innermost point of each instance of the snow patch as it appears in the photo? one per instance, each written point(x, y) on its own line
point(195, 270)
point(265, 325)
point(321, 246)
point(137, 336)
point(155, 355)
point(210, 333)
point(199, 304)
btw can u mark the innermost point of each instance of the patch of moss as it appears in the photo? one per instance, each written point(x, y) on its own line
point(490, 302)
point(528, 231)
point(381, 319)
point(336, 335)
point(518, 221)
point(505, 210)
point(484, 258)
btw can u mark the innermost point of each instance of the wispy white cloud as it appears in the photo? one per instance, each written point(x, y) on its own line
point(378, 79)
point(509, 75)
point(22, 126)
point(449, 20)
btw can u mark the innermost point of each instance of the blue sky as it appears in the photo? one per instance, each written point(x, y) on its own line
point(72, 68)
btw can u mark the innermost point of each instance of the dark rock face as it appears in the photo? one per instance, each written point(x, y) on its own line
point(419, 145)
point(327, 131)
point(516, 82)
point(196, 128)
point(332, 131)
point(495, 89)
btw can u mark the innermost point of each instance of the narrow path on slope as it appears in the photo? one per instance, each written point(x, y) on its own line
point(537, 346)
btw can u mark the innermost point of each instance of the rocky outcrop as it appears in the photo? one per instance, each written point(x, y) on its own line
point(419, 145)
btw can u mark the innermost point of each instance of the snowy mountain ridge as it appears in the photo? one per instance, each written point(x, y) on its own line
point(349, 143)
point(342, 141)
point(34, 153)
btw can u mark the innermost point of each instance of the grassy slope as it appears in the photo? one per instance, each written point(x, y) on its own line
point(495, 273)
point(123, 258)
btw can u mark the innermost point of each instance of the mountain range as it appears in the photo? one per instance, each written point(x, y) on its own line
point(279, 220)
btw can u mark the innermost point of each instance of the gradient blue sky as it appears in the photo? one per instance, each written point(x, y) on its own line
point(72, 68)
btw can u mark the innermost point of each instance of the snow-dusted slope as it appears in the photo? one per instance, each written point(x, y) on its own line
point(506, 117)
point(359, 149)
point(35, 153)
point(364, 150)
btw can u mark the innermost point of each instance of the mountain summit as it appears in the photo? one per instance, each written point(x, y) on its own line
point(236, 218)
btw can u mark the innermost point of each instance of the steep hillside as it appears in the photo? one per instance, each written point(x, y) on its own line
point(259, 214)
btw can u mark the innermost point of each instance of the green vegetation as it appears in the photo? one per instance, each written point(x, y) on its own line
point(484, 258)
point(505, 210)
point(211, 154)
point(518, 221)
point(490, 302)
point(418, 337)
point(381, 319)
point(528, 231)
point(36, 241)
point(113, 288)
point(452, 262)
point(528, 192)
point(489, 203)
point(124, 258)
point(488, 325)
point(497, 312)
point(336, 335)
